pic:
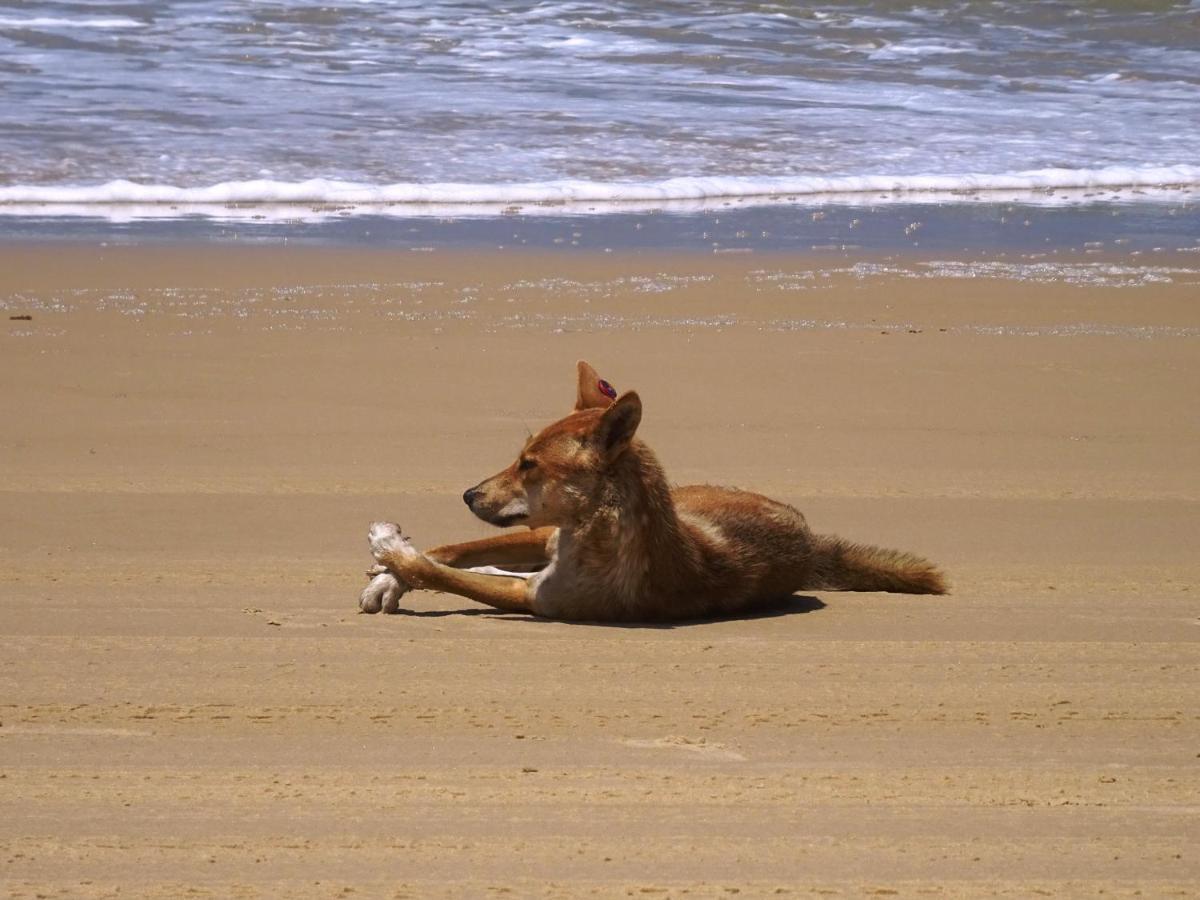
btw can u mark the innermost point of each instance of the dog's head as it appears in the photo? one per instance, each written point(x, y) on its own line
point(557, 471)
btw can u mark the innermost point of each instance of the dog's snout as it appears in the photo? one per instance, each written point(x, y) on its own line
point(469, 495)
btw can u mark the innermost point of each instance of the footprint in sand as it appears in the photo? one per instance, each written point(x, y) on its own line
point(699, 746)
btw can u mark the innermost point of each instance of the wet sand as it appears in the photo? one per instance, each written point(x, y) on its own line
point(195, 440)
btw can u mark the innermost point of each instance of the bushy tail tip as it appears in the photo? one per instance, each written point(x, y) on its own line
point(841, 565)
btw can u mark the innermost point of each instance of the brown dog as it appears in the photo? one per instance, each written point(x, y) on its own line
point(610, 540)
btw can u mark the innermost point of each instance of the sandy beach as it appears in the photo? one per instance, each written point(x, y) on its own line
point(195, 439)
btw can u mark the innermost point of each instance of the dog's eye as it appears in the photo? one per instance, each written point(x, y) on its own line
point(526, 464)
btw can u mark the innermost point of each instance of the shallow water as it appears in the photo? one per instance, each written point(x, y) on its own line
point(1141, 229)
point(621, 95)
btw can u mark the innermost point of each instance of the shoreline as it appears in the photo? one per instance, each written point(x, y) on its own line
point(860, 225)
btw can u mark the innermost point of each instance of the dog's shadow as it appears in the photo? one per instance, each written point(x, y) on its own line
point(785, 606)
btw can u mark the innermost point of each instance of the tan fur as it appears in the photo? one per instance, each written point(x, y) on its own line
point(619, 544)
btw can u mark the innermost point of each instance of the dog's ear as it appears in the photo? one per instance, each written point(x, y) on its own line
point(593, 392)
point(618, 423)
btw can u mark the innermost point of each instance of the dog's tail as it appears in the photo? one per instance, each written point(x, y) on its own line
point(839, 565)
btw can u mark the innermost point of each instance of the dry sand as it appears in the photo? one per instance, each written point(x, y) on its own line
point(194, 441)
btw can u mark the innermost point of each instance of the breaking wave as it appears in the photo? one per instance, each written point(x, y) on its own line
point(1077, 185)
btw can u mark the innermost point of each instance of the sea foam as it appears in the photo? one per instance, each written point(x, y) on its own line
point(1079, 185)
point(58, 22)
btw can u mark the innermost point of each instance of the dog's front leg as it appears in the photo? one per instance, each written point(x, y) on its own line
point(515, 548)
point(414, 568)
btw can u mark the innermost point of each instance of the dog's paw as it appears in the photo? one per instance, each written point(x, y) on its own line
point(383, 593)
point(386, 540)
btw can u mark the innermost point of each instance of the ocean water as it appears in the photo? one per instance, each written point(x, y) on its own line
point(356, 102)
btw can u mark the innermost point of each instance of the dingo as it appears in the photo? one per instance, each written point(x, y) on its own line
point(610, 540)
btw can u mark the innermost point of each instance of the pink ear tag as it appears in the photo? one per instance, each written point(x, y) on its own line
point(607, 389)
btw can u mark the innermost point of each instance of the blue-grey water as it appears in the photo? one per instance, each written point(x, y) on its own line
point(99, 99)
